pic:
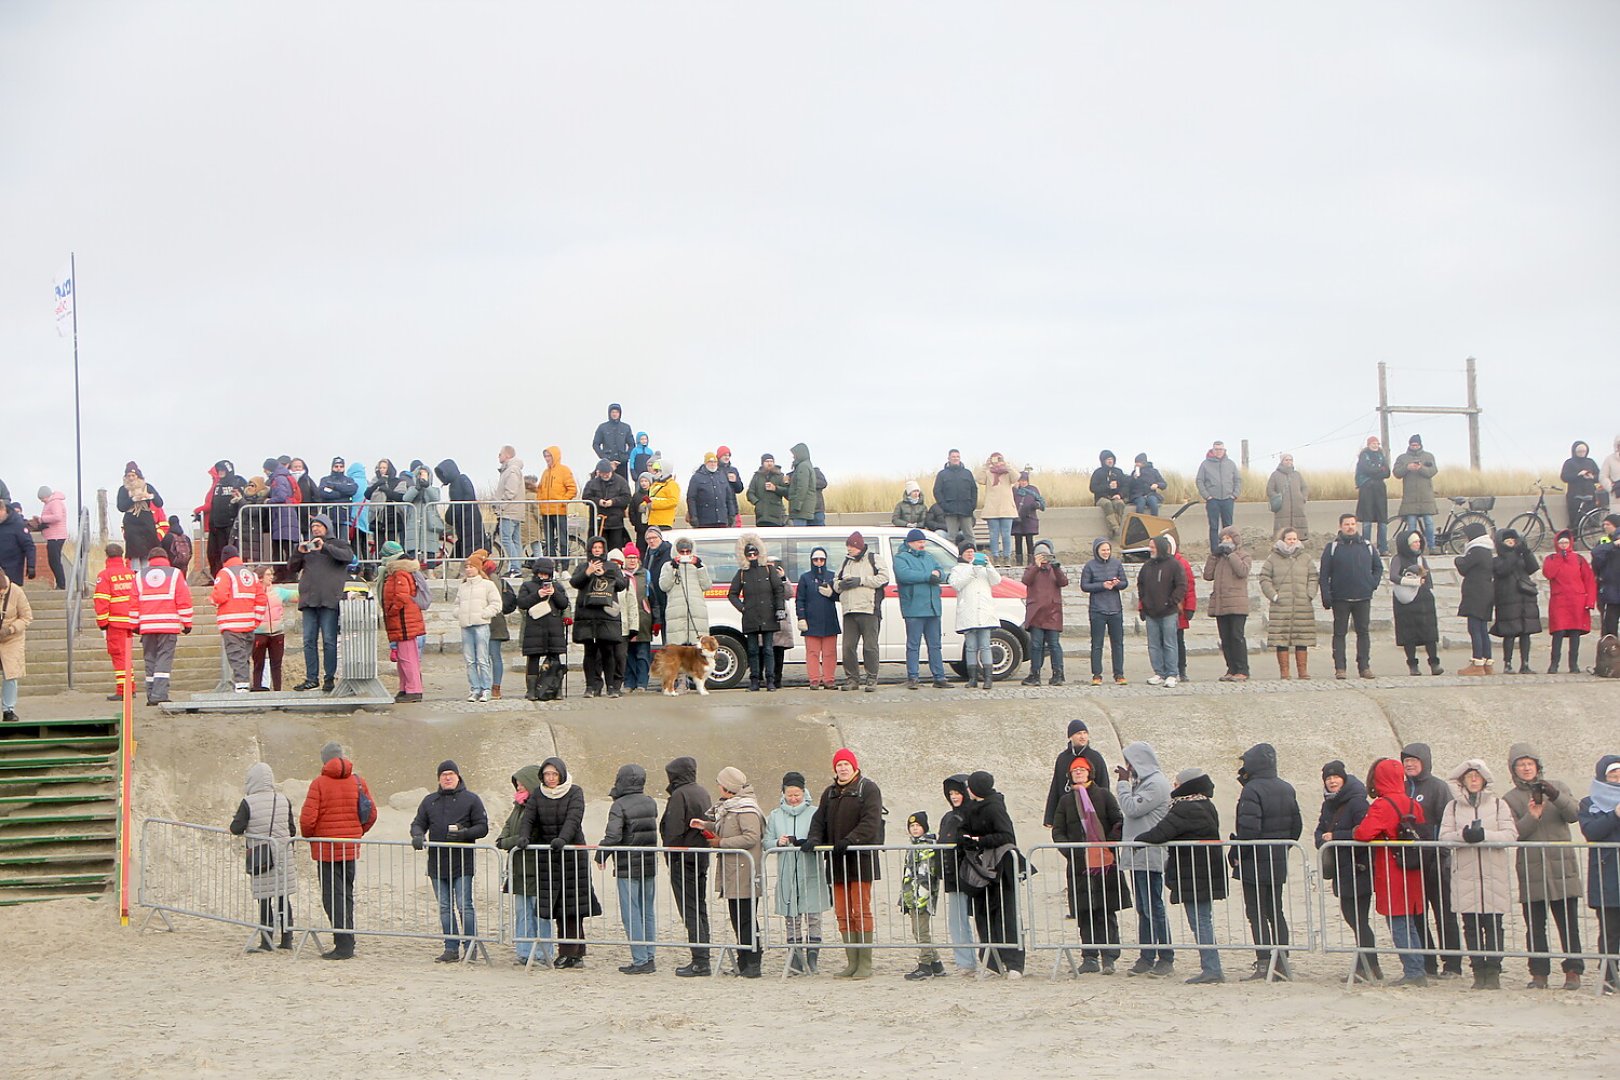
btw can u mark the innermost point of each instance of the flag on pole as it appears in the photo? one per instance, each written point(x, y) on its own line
point(64, 302)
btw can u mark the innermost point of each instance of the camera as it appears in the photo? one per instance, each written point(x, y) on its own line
point(1538, 791)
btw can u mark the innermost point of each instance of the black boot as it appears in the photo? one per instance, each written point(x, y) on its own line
point(286, 940)
point(973, 677)
point(814, 955)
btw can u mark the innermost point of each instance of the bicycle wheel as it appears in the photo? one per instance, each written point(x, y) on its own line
point(1531, 529)
point(1590, 528)
point(1456, 540)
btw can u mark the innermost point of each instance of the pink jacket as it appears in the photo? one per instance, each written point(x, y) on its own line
point(54, 517)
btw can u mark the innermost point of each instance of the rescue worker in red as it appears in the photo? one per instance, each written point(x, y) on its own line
point(240, 600)
point(165, 613)
point(117, 614)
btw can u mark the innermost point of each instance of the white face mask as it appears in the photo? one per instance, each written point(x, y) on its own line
point(297, 474)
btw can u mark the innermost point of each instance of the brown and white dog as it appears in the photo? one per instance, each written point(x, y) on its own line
point(696, 662)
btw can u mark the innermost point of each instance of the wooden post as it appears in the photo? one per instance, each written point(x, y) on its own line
point(101, 514)
point(1473, 418)
point(1383, 406)
point(1243, 453)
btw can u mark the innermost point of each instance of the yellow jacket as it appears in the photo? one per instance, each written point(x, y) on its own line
point(557, 482)
point(662, 499)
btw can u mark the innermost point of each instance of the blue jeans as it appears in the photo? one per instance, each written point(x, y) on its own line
point(1201, 919)
point(1148, 504)
point(1479, 635)
point(1426, 523)
point(320, 625)
point(959, 920)
point(820, 518)
point(1044, 643)
point(475, 651)
point(1152, 928)
point(639, 914)
point(924, 628)
point(1219, 512)
point(456, 891)
point(637, 662)
point(1407, 930)
point(8, 694)
point(1113, 626)
point(1162, 653)
point(800, 522)
point(1000, 537)
point(530, 928)
point(511, 542)
point(977, 648)
point(497, 666)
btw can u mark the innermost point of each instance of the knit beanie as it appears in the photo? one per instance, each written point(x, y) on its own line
point(723, 451)
point(916, 534)
point(1077, 726)
point(448, 766)
point(1473, 530)
point(731, 779)
point(856, 541)
point(1189, 774)
point(329, 751)
point(1334, 768)
point(631, 551)
point(228, 552)
point(390, 550)
point(793, 779)
point(846, 754)
point(982, 784)
point(918, 818)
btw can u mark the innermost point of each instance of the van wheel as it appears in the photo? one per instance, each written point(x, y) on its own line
point(1006, 655)
point(730, 662)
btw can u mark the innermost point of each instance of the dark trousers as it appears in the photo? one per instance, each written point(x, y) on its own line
point(1181, 651)
point(268, 648)
point(1113, 627)
point(1098, 927)
point(741, 911)
point(1234, 645)
point(616, 536)
point(337, 900)
point(1024, 548)
point(860, 639)
point(1344, 612)
point(1611, 619)
point(53, 555)
point(218, 538)
point(1219, 512)
point(757, 643)
point(599, 663)
point(621, 664)
point(1609, 944)
point(1524, 650)
point(275, 914)
point(1437, 899)
point(1354, 904)
point(995, 916)
point(689, 881)
point(1479, 637)
point(1566, 914)
point(1484, 936)
point(1262, 903)
point(1574, 638)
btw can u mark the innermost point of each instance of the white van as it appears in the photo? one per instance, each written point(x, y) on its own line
point(791, 546)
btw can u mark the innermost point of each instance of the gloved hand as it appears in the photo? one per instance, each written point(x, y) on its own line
point(418, 842)
point(558, 843)
point(185, 629)
point(804, 627)
point(806, 844)
point(1549, 793)
point(1473, 832)
point(841, 848)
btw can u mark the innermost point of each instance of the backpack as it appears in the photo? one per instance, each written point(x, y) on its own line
point(365, 805)
point(1608, 658)
point(423, 598)
point(179, 547)
point(1410, 855)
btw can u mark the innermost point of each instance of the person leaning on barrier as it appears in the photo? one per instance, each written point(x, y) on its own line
point(737, 824)
point(1433, 793)
point(522, 877)
point(633, 823)
point(1481, 878)
point(1195, 868)
point(1267, 810)
point(1397, 891)
point(1600, 824)
point(451, 815)
point(850, 814)
point(1088, 813)
point(1344, 805)
point(259, 817)
point(688, 869)
point(986, 831)
point(1079, 745)
point(338, 806)
point(1144, 800)
point(958, 905)
point(801, 888)
point(554, 818)
point(1549, 877)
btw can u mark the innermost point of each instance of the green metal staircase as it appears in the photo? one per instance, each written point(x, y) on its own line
point(59, 790)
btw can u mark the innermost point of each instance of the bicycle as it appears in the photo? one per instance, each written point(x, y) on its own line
point(1534, 526)
point(1465, 511)
point(1589, 529)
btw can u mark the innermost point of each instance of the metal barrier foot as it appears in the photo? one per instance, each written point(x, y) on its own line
point(169, 926)
point(477, 948)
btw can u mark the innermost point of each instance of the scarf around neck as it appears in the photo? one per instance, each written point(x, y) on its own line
point(1092, 823)
point(1605, 796)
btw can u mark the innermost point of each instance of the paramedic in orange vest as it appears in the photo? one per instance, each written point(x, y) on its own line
point(117, 612)
point(165, 612)
point(240, 600)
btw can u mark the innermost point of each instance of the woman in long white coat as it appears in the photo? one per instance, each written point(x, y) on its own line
point(974, 580)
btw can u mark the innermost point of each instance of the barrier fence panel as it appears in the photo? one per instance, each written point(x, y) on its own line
point(815, 901)
point(201, 871)
point(1098, 900)
point(1434, 903)
point(563, 900)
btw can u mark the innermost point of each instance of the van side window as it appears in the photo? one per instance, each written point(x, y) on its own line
point(720, 556)
point(939, 552)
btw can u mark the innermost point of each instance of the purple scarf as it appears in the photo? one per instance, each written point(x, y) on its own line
point(1093, 826)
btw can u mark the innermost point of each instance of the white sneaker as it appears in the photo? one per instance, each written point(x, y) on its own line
point(1155, 680)
point(1170, 682)
point(473, 696)
point(483, 695)
point(1015, 974)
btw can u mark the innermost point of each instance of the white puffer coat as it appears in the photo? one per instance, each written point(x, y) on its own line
point(975, 603)
point(477, 602)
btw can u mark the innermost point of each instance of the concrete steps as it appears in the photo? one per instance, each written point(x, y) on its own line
point(59, 791)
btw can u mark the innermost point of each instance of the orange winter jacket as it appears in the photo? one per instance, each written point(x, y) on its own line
point(332, 810)
point(239, 598)
point(401, 617)
point(557, 482)
point(117, 603)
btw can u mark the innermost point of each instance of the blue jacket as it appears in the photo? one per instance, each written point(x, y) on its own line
point(710, 501)
point(17, 548)
point(1606, 568)
point(1602, 864)
point(1104, 601)
point(1351, 570)
point(919, 594)
point(820, 613)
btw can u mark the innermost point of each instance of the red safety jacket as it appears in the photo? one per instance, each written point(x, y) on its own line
point(165, 599)
point(117, 606)
point(239, 597)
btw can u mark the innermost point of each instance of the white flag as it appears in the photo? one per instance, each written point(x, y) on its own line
point(64, 302)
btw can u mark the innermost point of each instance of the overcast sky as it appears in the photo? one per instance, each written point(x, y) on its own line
point(422, 230)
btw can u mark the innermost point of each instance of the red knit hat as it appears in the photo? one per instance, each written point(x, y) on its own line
point(846, 754)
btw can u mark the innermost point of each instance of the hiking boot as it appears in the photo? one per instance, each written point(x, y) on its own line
point(1204, 978)
point(1537, 982)
point(941, 684)
point(849, 684)
point(1524, 667)
point(1411, 980)
point(1107, 967)
point(697, 969)
point(1338, 673)
point(1088, 967)
point(1435, 668)
point(1143, 966)
point(912, 684)
point(1163, 968)
point(921, 971)
point(1256, 974)
point(1030, 680)
point(871, 684)
point(449, 956)
point(1056, 680)
point(1366, 673)
point(1572, 981)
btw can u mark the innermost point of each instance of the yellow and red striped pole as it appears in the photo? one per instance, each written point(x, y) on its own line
point(126, 745)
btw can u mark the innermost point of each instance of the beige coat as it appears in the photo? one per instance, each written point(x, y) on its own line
point(15, 615)
point(740, 829)
point(1230, 573)
point(1290, 486)
point(1481, 878)
point(1288, 582)
point(998, 493)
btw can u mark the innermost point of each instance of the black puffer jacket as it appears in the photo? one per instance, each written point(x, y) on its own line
point(1193, 872)
point(1478, 592)
point(1342, 811)
point(547, 634)
point(758, 593)
point(956, 491)
point(597, 599)
point(950, 830)
point(1267, 810)
point(850, 814)
point(632, 822)
point(688, 799)
point(434, 817)
point(1513, 573)
point(562, 879)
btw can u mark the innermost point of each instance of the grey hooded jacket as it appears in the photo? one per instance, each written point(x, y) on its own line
point(1144, 801)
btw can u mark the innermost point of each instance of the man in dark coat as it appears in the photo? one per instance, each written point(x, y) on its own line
point(1372, 496)
point(1267, 810)
point(609, 493)
point(956, 495)
point(1350, 574)
point(462, 518)
point(1194, 870)
point(710, 501)
point(322, 566)
point(1079, 745)
point(452, 815)
point(218, 512)
point(1432, 794)
point(614, 441)
point(850, 814)
point(688, 870)
point(17, 548)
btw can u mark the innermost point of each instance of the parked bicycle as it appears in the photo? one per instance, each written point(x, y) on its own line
point(1536, 526)
point(1465, 510)
point(1589, 526)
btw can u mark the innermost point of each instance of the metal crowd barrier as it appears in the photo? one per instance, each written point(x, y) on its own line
point(893, 929)
point(584, 905)
point(1270, 917)
point(200, 871)
point(1480, 911)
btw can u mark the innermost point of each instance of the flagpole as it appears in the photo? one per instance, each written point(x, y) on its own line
point(78, 434)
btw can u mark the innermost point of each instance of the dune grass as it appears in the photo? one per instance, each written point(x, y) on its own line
point(1070, 487)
